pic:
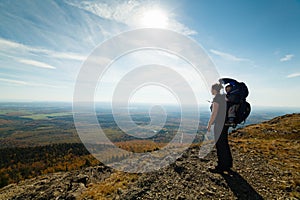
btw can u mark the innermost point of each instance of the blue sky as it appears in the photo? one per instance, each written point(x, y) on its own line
point(43, 43)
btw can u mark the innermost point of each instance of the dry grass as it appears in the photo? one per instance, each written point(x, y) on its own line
point(283, 127)
point(278, 141)
point(140, 146)
point(109, 187)
point(281, 154)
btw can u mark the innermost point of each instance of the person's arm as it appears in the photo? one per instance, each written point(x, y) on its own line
point(213, 115)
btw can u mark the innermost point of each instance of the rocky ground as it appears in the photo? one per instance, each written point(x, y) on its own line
point(62, 185)
point(266, 166)
point(188, 178)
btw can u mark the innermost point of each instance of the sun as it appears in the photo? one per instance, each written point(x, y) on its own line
point(154, 19)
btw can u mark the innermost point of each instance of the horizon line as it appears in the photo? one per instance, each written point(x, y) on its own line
point(146, 103)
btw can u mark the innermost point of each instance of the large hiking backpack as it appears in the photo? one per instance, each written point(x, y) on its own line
point(241, 90)
point(242, 112)
point(244, 107)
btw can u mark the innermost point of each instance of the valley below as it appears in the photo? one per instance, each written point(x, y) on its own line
point(42, 157)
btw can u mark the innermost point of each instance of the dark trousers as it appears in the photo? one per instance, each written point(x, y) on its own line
point(223, 149)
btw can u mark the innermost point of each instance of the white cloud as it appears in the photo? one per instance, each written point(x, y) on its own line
point(20, 83)
point(48, 85)
point(129, 13)
point(36, 63)
point(293, 75)
point(287, 57)
point(12, 47)
point(69, 56)
point(228, 56)
point(9, 44)
point(13, 81)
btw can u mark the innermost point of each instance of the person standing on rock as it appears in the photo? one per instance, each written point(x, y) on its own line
point(218, 116)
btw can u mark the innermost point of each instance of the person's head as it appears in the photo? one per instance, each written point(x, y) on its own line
point(228, 88)
point(215, 88)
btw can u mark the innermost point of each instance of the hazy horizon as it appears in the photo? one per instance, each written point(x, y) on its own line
point(202, 107)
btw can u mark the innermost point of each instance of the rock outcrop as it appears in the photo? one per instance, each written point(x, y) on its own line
point(62, 185)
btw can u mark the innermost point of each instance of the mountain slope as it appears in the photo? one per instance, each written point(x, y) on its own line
point(266, 166)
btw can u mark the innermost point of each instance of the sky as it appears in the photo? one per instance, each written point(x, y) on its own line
point(43, 45)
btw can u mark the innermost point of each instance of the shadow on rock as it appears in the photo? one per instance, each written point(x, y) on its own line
point(240, 187)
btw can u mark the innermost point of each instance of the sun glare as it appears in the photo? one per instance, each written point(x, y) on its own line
point(154, 19)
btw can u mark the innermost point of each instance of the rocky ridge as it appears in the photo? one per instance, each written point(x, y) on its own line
point(266, 166)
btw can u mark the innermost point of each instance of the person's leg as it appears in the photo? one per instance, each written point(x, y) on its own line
point(223, 150)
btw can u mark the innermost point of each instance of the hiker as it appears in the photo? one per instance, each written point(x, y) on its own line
point(217, 118)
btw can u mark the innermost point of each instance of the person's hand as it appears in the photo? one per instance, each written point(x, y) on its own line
point(208, 127)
